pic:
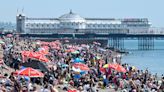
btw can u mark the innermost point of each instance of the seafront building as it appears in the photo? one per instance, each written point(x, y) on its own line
point(74, 23)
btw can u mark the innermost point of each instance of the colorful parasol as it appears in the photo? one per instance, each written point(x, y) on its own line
point(30, 72)
point(116, 67)
point(81, 66)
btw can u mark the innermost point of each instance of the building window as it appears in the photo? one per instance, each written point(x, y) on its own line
point(54, 25)
point(27, 25)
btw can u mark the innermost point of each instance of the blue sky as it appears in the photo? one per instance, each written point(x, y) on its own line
point(152, 9)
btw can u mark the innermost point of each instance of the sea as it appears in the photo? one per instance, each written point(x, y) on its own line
point(153, 60)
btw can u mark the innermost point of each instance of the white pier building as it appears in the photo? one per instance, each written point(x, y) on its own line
point(74, 23)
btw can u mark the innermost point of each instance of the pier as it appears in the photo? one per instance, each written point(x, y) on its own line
point(145, 41)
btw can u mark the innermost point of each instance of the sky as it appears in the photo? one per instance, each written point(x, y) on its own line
point(151, 9)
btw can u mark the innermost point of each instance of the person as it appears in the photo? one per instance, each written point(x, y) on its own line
point(86, 86)
point(17, 86)
point(53, 89)
point(34, 89)
point(30, 87)
point(45, 89)
point(24, 89)
point(2, 88)
point(94, 88)
point(131, 80)
point(161, 88)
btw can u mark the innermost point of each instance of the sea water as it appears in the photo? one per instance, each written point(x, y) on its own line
point(142, 59)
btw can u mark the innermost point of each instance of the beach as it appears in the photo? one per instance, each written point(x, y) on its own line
point(59, 66)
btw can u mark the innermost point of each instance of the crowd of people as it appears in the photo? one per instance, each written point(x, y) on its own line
point(64, 76)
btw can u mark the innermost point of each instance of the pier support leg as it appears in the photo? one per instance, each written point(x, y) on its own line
point(116, 42)
point(145, 43)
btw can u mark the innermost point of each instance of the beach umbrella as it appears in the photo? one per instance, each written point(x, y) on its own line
point(116, 67)
point(120, 69)
point(98, 43)
point(9, 35)
point(1, 42)
point(76, 69)
point(25, 53)
point(134, 68)
point(75, 52)
point(101, 49)
point(38, 42)
point(36, 55)
point(98, 57)
point(43, 51)
point(83, 72)
point(10, 46)
point(31, 55)
point(22, 67)
point(77, 60)
point(64, 65)
point(77, 76)
point(83, 45)
point(106, 66)
point(81, 66)
point(66, 40)
point(56, 47)
point(57, 42)
point(94, 42)
point(70, 50)
point(30, 72)
point(43, 59)
point(25, 77)
point(102, 70)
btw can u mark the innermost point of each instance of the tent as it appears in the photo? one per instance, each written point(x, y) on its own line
point(36, 65)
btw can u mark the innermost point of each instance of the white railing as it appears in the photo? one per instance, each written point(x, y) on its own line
point(155, 30)
point(150, 31)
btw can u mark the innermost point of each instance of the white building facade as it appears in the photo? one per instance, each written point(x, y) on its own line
point(74, 23)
